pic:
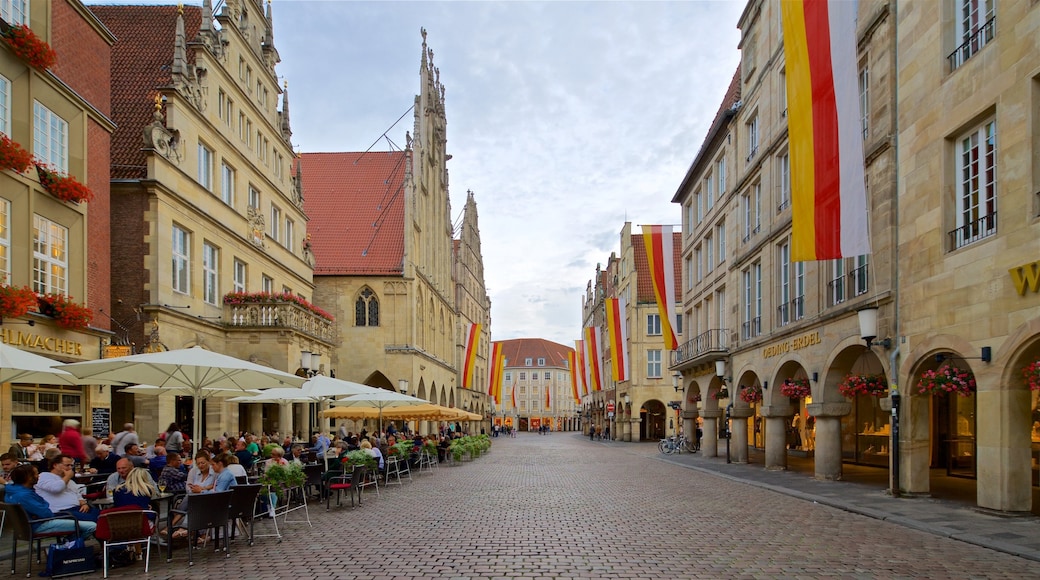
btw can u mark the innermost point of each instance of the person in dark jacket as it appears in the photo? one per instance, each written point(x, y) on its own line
point(21, 492)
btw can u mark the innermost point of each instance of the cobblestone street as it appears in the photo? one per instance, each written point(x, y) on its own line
point(560, 506)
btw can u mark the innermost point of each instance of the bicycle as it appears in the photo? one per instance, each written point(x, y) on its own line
point(675, 445)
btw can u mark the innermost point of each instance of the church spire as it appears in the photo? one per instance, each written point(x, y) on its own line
point(286, 128)
point(179, 69)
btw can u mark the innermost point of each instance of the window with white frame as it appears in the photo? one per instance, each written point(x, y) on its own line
point(508, 376)
point(745, 210)
point(227, 184)
point(210, 270)
point(756, 270)
point(528, 362)
point(240, 273)
point(975, 29)
point(689, 271)
point(229, 113)
point(783, 278)
point(205, 166)
point(709, 253)
point(698, 257)
point(276, 222)
point(752, 137)
point(50, 256)
point(266, 283)
point(15, 12)
point(243, 129)
point(221, 103)
point(5, 105)
point(541, 363)
point(653, 363)
point(784, 187)
point(678, 324)
point(5, 241)
point(290, 235)
point(50, 138)
point(859, 276)
point(181, 253)
point(709, 190)
point(976, 185)
point(653, 324)
point(864, 101)
point(254, 197)
point(720, 170)
point(547, 376)
point(720, 241)
point(523, 375)
point(836, 286)
point(798, 310)
point(700, 206)
point(756, 208)
point(688, 213)
point(720, 306)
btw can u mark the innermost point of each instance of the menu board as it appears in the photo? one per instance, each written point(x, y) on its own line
point(101, 421)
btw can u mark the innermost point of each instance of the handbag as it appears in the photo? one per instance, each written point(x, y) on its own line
point(70, 558)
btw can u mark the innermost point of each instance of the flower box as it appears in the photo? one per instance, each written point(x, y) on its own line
point(13, 156)
point(796, 388)
point(261, 297)
point(751, 394)
point(946, 379)
point(27, 46)
point(853, 385)
point(15, 302)
point(63, 187)
point(64, 311)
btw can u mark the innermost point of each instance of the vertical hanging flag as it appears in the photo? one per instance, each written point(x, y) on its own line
point(592, 359)
point(617, 328)
point(512, 393)
point(548, 397)
point(581, 369)
point(828, 192)
point(660, 256)
point(472, 346)
point(572, 363)
point(495, 374)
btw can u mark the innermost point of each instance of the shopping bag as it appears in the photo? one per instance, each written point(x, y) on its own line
point(69, 558)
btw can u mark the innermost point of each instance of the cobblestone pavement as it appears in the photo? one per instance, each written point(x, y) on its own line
point(560, 506)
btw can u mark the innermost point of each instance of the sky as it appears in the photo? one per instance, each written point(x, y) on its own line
point(565, 119)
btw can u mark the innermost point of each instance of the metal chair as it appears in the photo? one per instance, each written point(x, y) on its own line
point(371, 479)
point(21, 526)
point(204, 511)
point(350, 483)
point(243, 507)
point(125, 527)
point(426, 461)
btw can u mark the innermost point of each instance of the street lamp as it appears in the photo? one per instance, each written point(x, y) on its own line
point(868, 329)
point(403, 383)
point(310, 362)
point(676, 380)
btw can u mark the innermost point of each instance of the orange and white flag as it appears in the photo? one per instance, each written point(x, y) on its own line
point(617, 327)
point(660, 255)
point(472, 346)
point(592, 361)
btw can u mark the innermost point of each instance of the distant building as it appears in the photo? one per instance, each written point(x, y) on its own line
point(472, 304)
point(537, 376)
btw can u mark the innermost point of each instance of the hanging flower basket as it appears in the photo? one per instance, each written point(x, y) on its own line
point(796, 388)
point(13, 156)
point(695, 397)
point(751, 394)
point(15, 302)
point(720, 394)
point(1031, 373)
point(63, 187)
point(30, 48)
point(946, 379)
point(64, 311)
point(854, 385)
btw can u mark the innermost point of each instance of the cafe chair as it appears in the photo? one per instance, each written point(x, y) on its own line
point(349, 483)
point(21, 529)
point(125, 527)
point(243, 507)
point(204, 511)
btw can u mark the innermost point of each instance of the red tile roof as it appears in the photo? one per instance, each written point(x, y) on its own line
point(355, 204)
point(644, 284)
point(517, 350)
point(141, 59)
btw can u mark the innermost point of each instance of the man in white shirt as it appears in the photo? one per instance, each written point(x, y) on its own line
point(61, 493)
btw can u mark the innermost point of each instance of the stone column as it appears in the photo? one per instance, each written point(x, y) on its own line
point(710, 441)
point(690, 424)
point(828, 438)
point(633, 428)
point(739, 433)
point(776, 417)
point(256, 418)
point(285, 419)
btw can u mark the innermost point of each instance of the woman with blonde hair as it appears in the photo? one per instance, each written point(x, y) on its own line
point(137, 490)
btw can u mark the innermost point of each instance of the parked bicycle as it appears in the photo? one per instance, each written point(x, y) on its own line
point(676, 445)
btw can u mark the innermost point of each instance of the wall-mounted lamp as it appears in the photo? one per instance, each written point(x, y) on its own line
point(868, 329)
point(985, 356)
point(403, 384)
point(765, 385)
point(815, 377)
point(720, 371)
point(310, 362)
point(676, 381)
point(628, 399)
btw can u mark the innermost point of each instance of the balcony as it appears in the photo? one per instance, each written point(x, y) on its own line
point(983, 227)
point(278, 315)
point(981, 37)
point(702, 348)
point(751, 328)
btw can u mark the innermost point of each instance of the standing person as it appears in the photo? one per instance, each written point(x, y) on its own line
point(606, 432)
point(592, 433)
point(124, 437)
point(174, 439)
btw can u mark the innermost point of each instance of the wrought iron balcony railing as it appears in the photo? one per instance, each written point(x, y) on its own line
point(981, 37)
point(983, 227)
point(715, 340)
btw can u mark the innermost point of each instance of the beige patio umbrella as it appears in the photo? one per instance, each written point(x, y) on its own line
point(355, 413)
point(382, 400)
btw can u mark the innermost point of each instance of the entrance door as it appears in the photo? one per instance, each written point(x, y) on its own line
point(953, 444)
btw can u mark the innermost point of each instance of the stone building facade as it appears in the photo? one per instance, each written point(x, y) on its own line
point(534, 366)
point(472, 304)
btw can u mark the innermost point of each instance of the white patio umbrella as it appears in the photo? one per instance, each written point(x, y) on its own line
point(19, 366)
point(381, 399)
point(318, 389)
point(196, 369)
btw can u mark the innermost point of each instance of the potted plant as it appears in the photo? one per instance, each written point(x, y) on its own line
point(946, 379)
point(280, 478)
point(796, 388)
point(13, 156)
point(63, 187)
point(695, 397)
point(16, 301)
point(751, 394)
point(720, 394)
point(359, 457)
point(853, 385)
point(1031, 373)
point(27, 46)
point(66, 313)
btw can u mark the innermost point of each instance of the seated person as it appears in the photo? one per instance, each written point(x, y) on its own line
point(123, 467)
point(442, 448)
point(201, 478)
point(8, 462)
point(224, 479)
point(61, 493)
point(134, 454)
point(157, 463)
point(236, 468)
point(277, 457)
point(366, 446)
point(245, 456)
point(104, 460)
point(174, 474)
point(297, 455)
point(21, 492)
point(138, 490)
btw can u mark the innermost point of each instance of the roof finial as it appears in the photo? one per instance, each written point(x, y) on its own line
point(180, 8)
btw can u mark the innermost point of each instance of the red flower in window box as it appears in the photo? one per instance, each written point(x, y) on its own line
point(64, 311)
point(63, 187)
point(255, 297)
point(12, 156)
point(15, 301)
point(31, 48)
point(873, 385)
point(946, 379)
point(1031, 373)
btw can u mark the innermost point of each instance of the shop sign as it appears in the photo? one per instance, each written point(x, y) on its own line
point(804, 341)
point(1026, 277)
point(44, 343)
point(116, 350)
